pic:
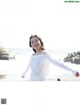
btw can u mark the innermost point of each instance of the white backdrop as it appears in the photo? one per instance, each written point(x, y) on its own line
point(55, 21)
point(58, 24)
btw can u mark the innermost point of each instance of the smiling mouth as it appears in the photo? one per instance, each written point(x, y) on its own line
point(36, 45)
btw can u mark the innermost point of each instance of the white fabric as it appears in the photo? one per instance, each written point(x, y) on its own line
point(39, 65)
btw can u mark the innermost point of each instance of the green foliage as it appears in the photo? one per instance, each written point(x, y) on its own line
point(5, 54)
point(73, 57)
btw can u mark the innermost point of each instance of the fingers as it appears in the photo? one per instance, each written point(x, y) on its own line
point(77, 74)
point(23, 76)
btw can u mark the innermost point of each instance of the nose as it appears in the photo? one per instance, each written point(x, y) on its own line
point(35, 44)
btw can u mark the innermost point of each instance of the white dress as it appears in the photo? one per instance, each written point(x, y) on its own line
point(39, 65)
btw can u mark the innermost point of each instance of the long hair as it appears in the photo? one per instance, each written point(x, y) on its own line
point(42, 45)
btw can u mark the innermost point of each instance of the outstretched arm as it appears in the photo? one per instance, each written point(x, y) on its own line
point(59, 64)
point(23, 75)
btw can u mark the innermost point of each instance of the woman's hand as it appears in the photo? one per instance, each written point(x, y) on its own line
point(23, 76)
point(77, 74)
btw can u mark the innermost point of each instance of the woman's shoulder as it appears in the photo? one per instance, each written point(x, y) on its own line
point(42, 53)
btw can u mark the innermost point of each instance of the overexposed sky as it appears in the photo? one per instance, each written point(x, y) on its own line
point(56, 22)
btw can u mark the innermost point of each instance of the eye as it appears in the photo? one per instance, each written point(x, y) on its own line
point(36, 40)
point(32, 42)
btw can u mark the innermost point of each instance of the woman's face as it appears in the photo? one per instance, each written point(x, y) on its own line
point(35, 43)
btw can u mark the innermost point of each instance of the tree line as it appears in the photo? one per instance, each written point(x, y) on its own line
point(73, 57)
point(5, 54)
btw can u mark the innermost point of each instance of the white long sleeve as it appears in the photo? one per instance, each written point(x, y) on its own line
point(28, 67)
point(39, 65)
point(59, 64)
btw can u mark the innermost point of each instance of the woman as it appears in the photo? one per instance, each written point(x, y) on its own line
point(40, 60)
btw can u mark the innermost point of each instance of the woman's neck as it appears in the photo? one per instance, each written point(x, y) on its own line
point(39, 51)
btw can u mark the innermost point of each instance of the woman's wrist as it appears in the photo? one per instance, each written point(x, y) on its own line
point(77, 74)
point(23, 74)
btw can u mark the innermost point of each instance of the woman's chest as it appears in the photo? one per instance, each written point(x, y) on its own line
point(38, 60)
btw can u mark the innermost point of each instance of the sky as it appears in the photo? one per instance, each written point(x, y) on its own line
point(55, 21)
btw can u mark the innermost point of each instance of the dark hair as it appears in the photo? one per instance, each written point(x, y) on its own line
point(42, 45)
